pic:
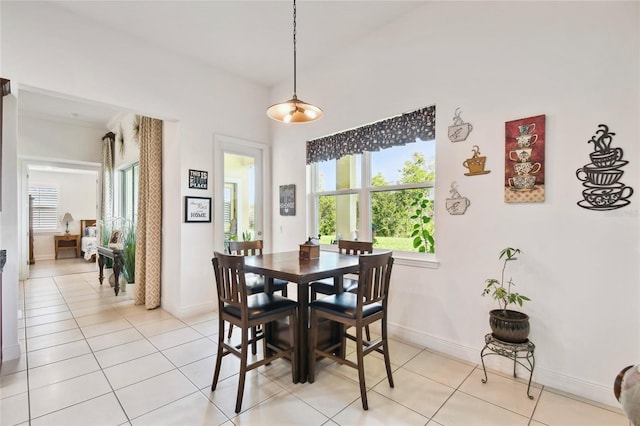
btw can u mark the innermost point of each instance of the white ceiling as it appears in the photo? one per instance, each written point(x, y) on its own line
point(252, 39)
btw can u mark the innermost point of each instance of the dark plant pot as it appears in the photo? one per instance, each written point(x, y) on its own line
point(509, 326)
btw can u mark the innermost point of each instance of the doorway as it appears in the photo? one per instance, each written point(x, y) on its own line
point(240, 184)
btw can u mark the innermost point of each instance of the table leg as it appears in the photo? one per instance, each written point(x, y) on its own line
point(116, 272)
point(303, 332)
point(100, 268)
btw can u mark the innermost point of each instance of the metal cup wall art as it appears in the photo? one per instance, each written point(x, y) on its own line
point(524, 160)
point(601, 178)
point(459, 131)
point(476, 163)
point(456, 204)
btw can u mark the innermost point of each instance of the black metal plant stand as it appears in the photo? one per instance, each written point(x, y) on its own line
point(514, 351)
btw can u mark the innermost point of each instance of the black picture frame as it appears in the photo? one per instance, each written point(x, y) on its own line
point(198, 179)
point(197, 209)
point(287, 200)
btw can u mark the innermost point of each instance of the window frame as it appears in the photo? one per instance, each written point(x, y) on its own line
point(122, 181)
point(364, 195)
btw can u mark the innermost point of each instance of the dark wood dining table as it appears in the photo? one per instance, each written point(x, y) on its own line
point(288, 266)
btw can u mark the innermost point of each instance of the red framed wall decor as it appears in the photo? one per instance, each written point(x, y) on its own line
point(524, 172)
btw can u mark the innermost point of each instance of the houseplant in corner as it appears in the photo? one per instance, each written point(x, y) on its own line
point(507, 325)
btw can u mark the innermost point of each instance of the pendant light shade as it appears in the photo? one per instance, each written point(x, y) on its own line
point(294, 110)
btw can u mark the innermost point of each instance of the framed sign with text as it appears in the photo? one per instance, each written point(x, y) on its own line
point(197, 209)
point(198, 179)
point(287, 200)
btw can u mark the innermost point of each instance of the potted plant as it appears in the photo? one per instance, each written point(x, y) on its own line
point(129, 255)
point(507, 325)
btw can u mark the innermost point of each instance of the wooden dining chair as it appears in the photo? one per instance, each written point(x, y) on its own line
point(253, 248)
point(356, 310)
point(255, 283)
point(327, 285)
point(248, 311)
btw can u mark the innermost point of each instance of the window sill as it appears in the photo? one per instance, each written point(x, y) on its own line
point(416, 260)
point(404, 258)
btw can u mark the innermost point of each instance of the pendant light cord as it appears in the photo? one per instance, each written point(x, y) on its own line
point(294, 48)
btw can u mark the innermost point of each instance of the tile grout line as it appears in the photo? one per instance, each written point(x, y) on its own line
point(26, 350)
point(94, 357)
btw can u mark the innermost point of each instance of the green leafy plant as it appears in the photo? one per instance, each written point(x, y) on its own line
point(105, 228)
point(129, 254)
point(422, 215)
point(246, 236)
point(501, 289)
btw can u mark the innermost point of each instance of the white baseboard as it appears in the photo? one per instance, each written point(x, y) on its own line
point(10, 352)
point(44, 257)
point(193, 310)
point(574, 385)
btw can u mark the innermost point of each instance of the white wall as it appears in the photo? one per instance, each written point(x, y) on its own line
point(77, 196)
point(41, 49)
point(46, 139)
point(579, 267)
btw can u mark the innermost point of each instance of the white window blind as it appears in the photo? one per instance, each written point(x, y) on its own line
point(45, 207)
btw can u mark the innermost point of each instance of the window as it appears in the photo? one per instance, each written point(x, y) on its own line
point(45, 207)
point(376, 182)
point(394, 206)
point(129, 178)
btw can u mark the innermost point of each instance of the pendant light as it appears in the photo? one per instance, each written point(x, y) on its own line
point(294, 110)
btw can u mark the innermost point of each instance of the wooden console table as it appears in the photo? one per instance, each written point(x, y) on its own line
point(118, 262)
point(66, 242)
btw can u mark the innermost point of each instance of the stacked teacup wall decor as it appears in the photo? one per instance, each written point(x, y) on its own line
point(601, 178)
point(524, 160)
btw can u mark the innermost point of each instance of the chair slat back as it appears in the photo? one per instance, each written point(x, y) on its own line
point(355, 247)
point(246, 248)
point(374, 278)
point(230, 280)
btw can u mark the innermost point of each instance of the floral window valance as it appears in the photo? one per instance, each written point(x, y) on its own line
point(382, 134)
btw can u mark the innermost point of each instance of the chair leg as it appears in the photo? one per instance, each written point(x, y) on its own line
point(367, 332)
point(216, 373)
point(243, 368)
point(254, 345)
point(387, 358)
point(360, 356)
point(313, 337)
point(230, 331)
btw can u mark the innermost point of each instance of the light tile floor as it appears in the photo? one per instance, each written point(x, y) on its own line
point(96, 359)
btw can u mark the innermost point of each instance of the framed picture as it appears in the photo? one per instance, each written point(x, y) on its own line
point(116, 240)
point(197, 209)
point(198, 179)
point(287, 200)
point(524, 177)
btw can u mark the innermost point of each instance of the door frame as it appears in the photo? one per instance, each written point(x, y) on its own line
point(24, 163)
point(226, 144)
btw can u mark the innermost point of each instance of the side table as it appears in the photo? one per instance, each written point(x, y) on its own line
point(67, 241)
point(118, 265)
point(514, 351)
